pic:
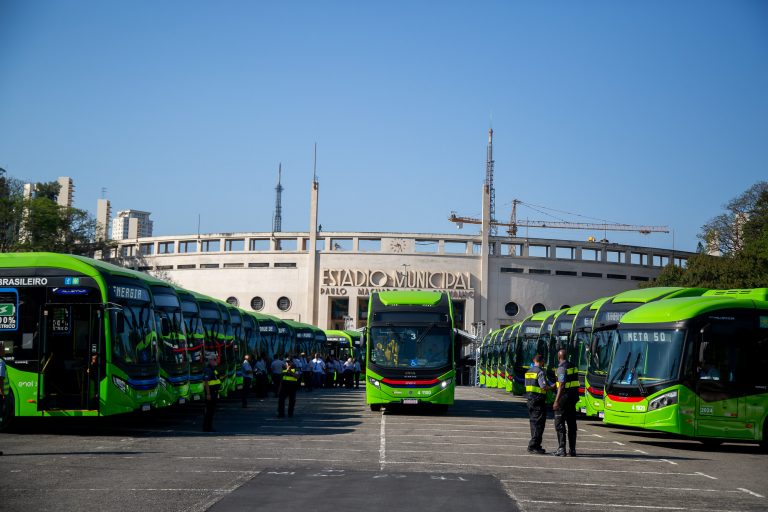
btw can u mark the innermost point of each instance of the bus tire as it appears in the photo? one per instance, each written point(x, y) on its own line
point(441, 409)
point(375, 407)
point(7, 413)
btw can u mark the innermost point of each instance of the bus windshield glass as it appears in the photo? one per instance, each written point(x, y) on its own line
point(133, 332)
point(602, 345)
point(646, 357)
point(415, 347)
point(581, 341)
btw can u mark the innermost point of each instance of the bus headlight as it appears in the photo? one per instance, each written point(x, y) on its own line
point(374, 382)
point(119, 383)
point(445, 383)
point(663, 401)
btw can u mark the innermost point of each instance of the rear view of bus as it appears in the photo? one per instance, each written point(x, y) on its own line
point(410, 349)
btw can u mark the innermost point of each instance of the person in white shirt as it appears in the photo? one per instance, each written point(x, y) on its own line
point(261, 382)
point(348, 372)
point(357, 373)
point(318, 371)
point(277, 372)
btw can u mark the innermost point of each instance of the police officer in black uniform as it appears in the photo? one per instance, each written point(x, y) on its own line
point(536, 386)
point(565, 404)
point(212, 384)
point(289, 384)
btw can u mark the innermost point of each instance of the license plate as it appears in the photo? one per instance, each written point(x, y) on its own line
point(601, 414)
point(584, 410)
point(409, 401)
point(182, 401)
point(146, 407)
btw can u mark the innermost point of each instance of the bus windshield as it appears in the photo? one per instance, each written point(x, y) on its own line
point(133, 333)
point(174, 342)
point(581, 341)
point(646, 356)
point(416, 347)
point(602, 345)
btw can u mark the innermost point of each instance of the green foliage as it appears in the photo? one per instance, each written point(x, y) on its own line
point(741, 235)
point(40, 224)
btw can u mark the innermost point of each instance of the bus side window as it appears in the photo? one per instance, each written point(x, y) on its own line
point(756, 361)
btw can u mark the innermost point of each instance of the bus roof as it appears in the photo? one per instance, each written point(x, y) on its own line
point(543, 315)
point(574, 310)
point(410, 298)
point(754, 293)
point(643, 295)
point(337, 333)
point(684, 308)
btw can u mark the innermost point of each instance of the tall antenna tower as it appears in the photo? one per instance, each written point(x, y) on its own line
point(489, 181)
point(277, 222)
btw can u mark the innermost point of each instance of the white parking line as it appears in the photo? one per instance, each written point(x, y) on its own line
point(751, 492)
point(540, 468)
point(506, 438)
point(623, 486)
point(622, 459)
point(608, 506)
point(382, 443)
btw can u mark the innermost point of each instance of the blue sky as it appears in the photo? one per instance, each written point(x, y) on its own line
point(637, 112)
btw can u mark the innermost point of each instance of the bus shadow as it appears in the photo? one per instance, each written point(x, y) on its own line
point(696, 446)
point(465, 408)
point(673, 442)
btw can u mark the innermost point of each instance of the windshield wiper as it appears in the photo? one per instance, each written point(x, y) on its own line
point(425, 332)
point(638, 374)
point(622, 370)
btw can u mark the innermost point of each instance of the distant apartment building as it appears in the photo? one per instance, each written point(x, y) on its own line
point(130, 224)
point(66, 196)
point(103, 214)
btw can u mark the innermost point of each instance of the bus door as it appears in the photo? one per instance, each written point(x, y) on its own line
point(71, 357)
point(721, 377)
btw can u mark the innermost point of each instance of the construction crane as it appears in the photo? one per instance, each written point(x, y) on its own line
point(513, 224)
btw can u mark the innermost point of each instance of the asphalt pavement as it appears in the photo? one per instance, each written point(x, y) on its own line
point(335, 454)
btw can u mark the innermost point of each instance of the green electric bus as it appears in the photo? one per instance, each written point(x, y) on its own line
point(410, 349)
point(339, 344)
point(494, 358)
point(216, 335)
point(547, 345)
point(605, 323)
point(193, 324)
point(582, 337)
point(529, 343)
point(172, 350)
point(78, 336)
point(267, 334)
point(509, 341)
point(480, 361)
point(694, 366)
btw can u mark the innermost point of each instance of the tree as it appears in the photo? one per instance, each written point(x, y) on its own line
point(38, 223)
point(725, 233)
point(741, 236)
point(11, 208)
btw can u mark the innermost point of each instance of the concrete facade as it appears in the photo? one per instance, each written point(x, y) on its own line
point(265, 269)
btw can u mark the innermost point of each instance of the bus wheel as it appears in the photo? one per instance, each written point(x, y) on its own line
point(375, 407)
point(7, 408)
point(441, 409)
